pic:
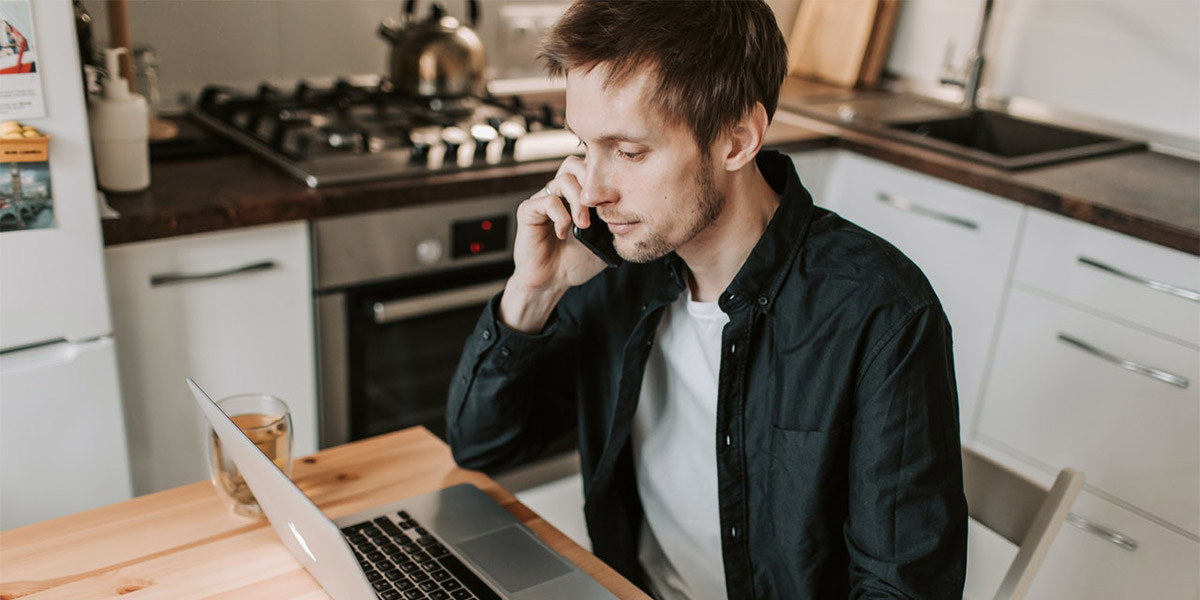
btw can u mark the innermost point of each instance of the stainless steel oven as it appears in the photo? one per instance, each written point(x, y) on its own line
point(397, 294)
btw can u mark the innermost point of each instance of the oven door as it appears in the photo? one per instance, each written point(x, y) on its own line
point(402, 342)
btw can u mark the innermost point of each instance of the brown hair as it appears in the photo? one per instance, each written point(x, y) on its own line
point(713, 59)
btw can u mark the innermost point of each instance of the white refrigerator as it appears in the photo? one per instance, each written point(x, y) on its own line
point(62, 432)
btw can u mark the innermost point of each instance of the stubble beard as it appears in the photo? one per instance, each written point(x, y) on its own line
point(710, 202)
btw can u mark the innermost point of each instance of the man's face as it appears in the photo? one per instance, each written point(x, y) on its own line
point(646, 178)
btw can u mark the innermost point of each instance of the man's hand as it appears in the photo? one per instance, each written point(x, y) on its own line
point(549, 260)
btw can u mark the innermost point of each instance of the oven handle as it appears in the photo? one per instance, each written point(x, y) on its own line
point(397, 310)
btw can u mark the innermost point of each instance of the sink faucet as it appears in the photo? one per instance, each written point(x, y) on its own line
point(969, 81)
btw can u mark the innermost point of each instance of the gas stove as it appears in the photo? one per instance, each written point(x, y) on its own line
point(356, 131)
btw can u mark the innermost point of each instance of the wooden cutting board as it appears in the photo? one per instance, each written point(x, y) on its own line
point(879, 45)
point(830, 38)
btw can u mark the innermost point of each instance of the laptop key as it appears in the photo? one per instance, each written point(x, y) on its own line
point(375, 556)
point(405, 585)
point(373, 575)
point(439, 595)
point(419, 576)
point(437, 550)
point(394, 574)
point(430, 566)
point(382, 585)
point(415, 595)
point(439, 575)
point(468, 579)
point(390, 595)
point(426, 540)
point(451, 585)
point(461, 595)
point(428, 586)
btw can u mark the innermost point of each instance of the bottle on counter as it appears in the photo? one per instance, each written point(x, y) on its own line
point(120, 132)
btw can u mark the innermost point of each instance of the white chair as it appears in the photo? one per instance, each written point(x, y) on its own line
point(1018, 510)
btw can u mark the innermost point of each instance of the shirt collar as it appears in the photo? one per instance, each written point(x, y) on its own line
point(758, 282)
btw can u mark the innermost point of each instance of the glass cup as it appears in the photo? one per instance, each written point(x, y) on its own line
point(268, 423)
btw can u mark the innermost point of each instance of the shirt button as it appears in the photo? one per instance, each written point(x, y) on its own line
point(649, 343)
point(487, 335)
point(733, 531)
point(728, 441)
point(504, 351)
point(732, 348)
point(645, 306)
point(762, 300)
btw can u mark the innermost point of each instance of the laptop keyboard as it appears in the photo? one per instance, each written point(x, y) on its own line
point(405, 562)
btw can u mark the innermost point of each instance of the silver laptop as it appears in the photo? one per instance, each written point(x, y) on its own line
point(455, 543)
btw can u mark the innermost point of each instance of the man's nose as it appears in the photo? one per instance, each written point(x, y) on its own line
point(595, 187)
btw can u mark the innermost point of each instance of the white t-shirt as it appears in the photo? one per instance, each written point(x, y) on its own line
point(675, 454)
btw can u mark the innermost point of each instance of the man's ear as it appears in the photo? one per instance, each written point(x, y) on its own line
point(746, 137)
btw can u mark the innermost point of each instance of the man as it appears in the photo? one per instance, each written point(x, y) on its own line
point(763, 393)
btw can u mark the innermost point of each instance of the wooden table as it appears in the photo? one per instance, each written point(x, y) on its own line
point(186, 543)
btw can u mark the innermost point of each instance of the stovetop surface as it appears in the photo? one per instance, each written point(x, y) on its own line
point(349, 132)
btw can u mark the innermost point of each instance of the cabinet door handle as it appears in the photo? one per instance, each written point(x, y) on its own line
point(1184, 293)
point(396, 310)
point(906, 205)
point(1159, 374)
point(174, 278)
point(1121, 540)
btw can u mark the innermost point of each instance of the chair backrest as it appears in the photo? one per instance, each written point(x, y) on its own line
point(1020, 510)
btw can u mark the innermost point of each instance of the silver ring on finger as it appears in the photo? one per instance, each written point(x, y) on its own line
point(548, 192)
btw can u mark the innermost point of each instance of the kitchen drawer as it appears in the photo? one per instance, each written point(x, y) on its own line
point(1072, 260)
point(1133, 436)
point(962, 239)
point(1085, 565)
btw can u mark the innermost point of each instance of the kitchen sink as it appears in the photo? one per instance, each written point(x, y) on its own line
point(1004, 141)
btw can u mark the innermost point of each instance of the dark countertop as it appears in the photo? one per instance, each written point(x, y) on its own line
point(1148, 195)
point(1144, 194)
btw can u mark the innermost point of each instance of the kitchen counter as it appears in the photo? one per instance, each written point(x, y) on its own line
point(1144, 194)
point(185, 543)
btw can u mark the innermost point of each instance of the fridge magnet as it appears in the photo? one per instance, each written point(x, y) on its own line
point(26, 201)
point(20, 82)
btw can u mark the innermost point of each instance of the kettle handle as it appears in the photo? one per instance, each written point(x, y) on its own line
point(410, 9)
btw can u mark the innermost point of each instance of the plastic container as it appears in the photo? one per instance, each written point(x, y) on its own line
point(120, 126)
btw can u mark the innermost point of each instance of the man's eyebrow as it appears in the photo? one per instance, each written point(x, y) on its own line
point(612, 137)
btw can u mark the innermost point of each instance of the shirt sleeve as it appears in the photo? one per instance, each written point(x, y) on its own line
point(512, 394)
point(906, 530)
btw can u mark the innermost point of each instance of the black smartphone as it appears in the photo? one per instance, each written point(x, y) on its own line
point(599, 240)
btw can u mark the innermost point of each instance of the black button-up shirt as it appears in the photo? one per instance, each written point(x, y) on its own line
point(838, 461)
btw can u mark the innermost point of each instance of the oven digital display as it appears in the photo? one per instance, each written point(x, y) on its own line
point(479, 236)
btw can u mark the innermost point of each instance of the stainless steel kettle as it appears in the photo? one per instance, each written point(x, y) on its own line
point(436, 57)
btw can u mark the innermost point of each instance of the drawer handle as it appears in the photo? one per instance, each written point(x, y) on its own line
point(174, 278)
point(905, 205)
point(1184, 293)
point(1121, 540)
point(1171, 378)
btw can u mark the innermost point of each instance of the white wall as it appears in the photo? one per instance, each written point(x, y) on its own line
point(1134, 62)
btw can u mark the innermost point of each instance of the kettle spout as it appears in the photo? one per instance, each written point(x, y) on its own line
point(391, 30)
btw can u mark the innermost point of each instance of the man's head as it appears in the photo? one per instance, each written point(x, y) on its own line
point(710, 60)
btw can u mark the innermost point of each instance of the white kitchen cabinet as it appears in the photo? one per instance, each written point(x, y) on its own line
point(1127, 279)
point(1133, 436)
point(962, 239)
point(1103, 552)
point(232, 310)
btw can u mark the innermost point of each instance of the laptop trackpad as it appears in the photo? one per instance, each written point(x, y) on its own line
point(513, 558)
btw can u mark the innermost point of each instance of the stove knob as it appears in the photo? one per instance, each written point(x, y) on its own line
point(267, 93)
point(511, 131)
point(453, 137)
point(484, 135)
point(429, 251)
point(420, 153)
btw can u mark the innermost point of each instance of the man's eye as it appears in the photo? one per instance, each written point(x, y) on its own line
point(629, 155)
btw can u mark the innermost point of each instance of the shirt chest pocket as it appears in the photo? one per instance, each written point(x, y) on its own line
point(807, 475)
